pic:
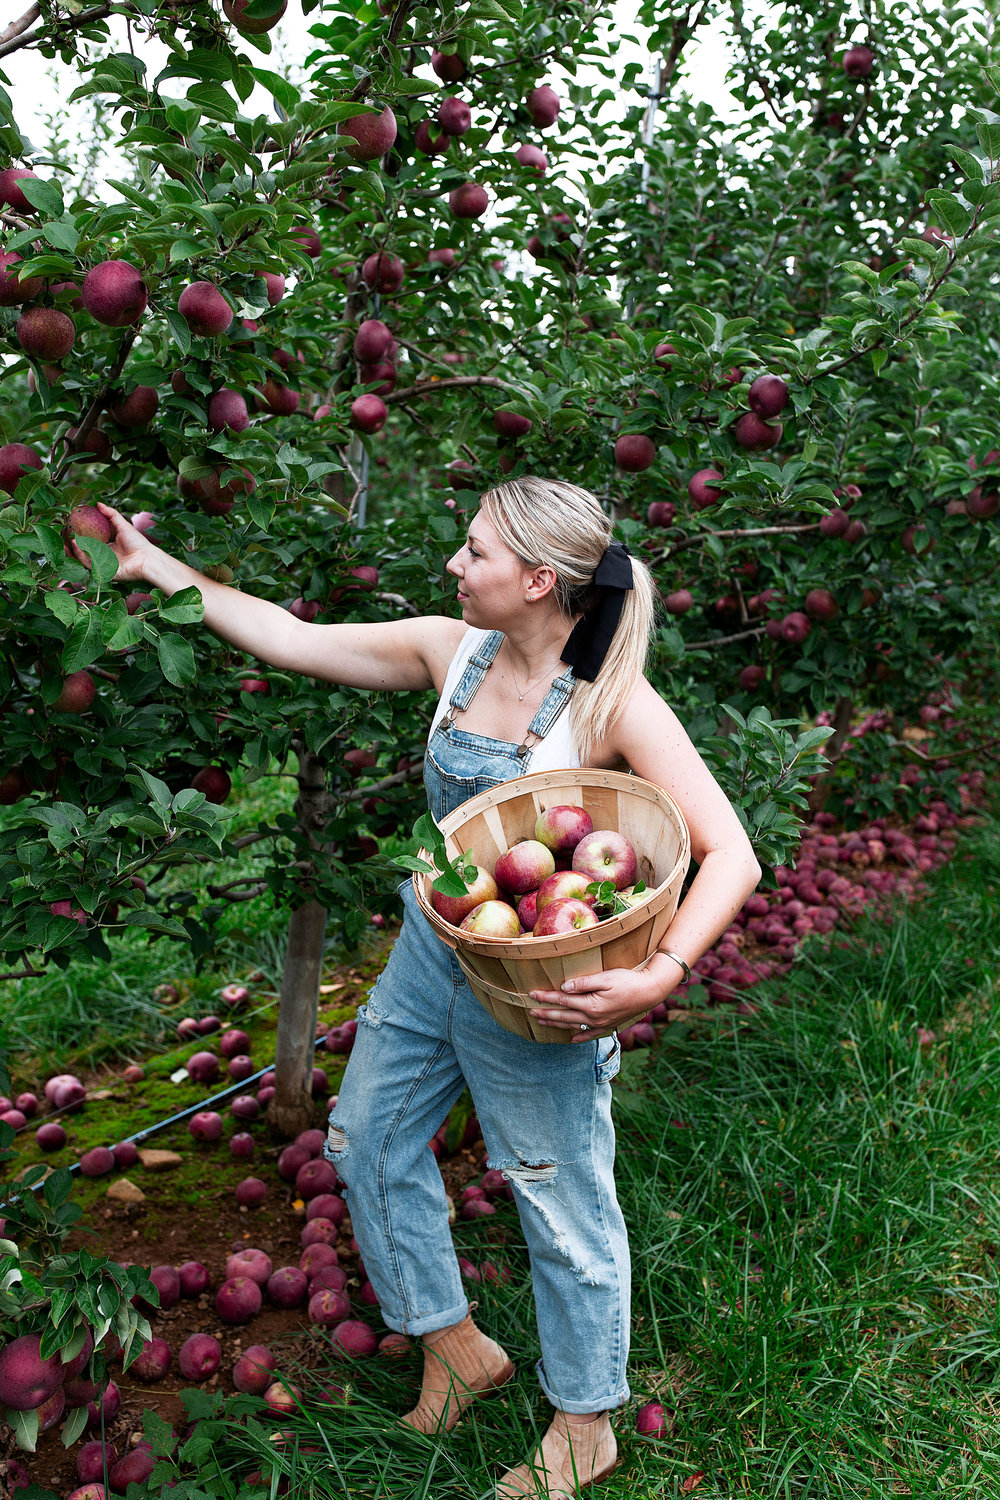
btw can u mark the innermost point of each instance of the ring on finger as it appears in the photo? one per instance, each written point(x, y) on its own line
point(584, 1028)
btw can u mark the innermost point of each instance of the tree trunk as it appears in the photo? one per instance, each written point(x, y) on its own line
point(842, 715)
point(291, 1109)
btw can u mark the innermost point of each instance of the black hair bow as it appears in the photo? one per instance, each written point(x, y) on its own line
point(594, 631)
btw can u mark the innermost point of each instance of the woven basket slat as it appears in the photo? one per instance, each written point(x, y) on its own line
point(503, 971)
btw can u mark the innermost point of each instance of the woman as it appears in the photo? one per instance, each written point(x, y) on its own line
point(544, 670)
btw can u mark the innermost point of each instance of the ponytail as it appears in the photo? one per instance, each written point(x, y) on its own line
point(547, 522)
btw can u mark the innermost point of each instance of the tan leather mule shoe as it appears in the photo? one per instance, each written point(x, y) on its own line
point(460, 1365)
point(571, 1456)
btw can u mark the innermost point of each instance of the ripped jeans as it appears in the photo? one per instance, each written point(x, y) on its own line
point(545, 1115)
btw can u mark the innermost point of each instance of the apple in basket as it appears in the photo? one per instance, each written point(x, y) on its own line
point(606, 855)
point(492, 919)
point(561, 828)
point(455, 909)
point(562, 884)
point(565, 915)
point(524, 867)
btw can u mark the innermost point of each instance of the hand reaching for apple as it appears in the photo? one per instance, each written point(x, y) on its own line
point(597, 1001)
point(131, 547)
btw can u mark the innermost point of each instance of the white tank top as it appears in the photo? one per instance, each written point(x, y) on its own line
point(555, 752)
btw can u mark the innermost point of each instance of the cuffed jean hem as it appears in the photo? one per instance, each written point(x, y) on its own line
point(605, 1402)
point(430, 1323)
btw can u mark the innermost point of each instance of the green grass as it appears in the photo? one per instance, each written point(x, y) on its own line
point(815, 1222)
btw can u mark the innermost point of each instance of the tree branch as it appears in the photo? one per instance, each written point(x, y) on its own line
point(16, 28)
point(724, 640)
point(442, 385)
point(23, 974)
point(97, 405)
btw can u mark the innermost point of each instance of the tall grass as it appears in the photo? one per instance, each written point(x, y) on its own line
point(814, 1209)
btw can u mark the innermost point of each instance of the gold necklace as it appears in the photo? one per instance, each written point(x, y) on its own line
point(521, 696)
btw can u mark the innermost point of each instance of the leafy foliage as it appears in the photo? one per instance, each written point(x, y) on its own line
point(837, 232)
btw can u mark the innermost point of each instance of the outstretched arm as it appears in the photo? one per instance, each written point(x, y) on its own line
point(651, 738)
point(404, 654)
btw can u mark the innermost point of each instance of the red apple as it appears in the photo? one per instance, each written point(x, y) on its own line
point(449, 66)
point(114, 293)
point(561, 886)
point(455, 909)
point(754, 434)
point(430, 145)
point(702, 489)
point(678, 602)
point(565, 915)
point(454, 116)
point(204, 308)
point(469, 201)
point(606, 855)
point(821, 604)
point(492, 919)
point(542, 105)
point(768, 395)
point(562, 827)
point(383, 272)
point(252, 26)
point(136, 409)
point(11, 194)
point(634, 452)
point(508, 424)
point(12, 291)
point(15, 461)
point(369, 413)
point(661, 513)
point(372, 341)
point(858, 61)
point(367, 137)
point(527, 910)
point(45, 333)
point(530, 156)
point(524, 866)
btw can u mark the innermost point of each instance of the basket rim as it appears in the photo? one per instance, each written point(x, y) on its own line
point(561, 943)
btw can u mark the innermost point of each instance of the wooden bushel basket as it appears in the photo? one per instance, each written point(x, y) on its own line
point(503, 971)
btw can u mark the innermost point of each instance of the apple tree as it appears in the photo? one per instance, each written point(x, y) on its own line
point(297, 340)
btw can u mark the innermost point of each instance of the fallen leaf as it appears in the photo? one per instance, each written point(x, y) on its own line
point(692, 1481)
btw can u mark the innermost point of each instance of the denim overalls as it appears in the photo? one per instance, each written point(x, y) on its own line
point(544, 1111)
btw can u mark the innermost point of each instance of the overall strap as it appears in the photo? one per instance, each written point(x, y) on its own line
point(552, 704)
point(476, 667)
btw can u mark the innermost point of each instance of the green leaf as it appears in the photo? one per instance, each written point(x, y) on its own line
point(104, 563)
point(213, 100)
point(157, 789)
point(74, 1425)
point(261, 509)
point(952, 214)
point(184, 249)
point(279, 88)
point(450, 883)
point(989, 137)
point(25, 1427)
point(45, 196)
point(186, 607)
point(176, 658)
point(61, 234)
point(62, 604)
point(85, 642)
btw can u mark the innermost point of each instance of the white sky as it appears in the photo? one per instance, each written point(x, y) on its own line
point(39, 85)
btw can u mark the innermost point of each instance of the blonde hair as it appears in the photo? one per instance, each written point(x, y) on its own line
point(546, 522)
